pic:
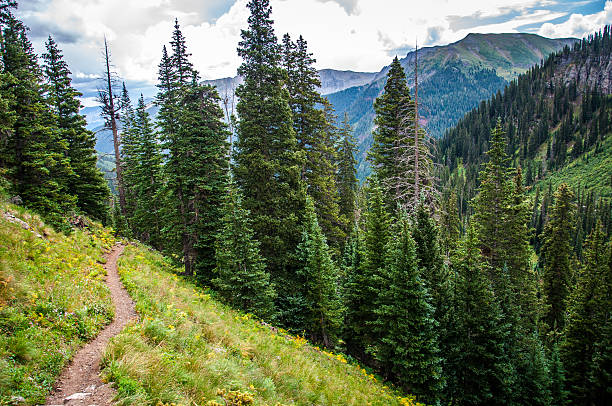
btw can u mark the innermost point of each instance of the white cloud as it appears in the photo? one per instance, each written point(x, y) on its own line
point(359, 35)
point(578, 25)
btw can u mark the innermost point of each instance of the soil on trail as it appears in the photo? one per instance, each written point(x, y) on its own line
point(79, 383)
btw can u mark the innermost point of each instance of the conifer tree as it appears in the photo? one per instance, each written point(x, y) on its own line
point(85, 181)
point(556, 252)
point(240, 274)
point(557, 378)
point(367, 282)
point(450, 224)
point(166, 96)
point(404, 321)
point(129, 153)
point(315, 134)
point(494, 198)
point(477, 359)
point(196, 173)
point(353, 298)
point(142, 160)
point(320, 285)
point(589, 310)
point(391, 108)
point(195, 170)
point(267, 162)
point(32, 150)
point(347, 175)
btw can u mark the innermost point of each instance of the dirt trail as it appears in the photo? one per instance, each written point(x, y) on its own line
point(79, 383)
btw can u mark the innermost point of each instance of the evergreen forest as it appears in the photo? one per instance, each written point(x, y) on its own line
point(471, 269)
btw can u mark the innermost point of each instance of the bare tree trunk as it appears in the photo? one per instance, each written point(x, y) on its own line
point(113, 123)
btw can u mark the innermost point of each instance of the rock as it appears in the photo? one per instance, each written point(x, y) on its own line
point(17, 400)
point(90, 388)
point(16, 200)
point(77, 396)
point(10, 217)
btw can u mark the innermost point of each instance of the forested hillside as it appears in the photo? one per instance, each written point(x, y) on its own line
point(557, 117)
point(453, 79)
point(268, 266)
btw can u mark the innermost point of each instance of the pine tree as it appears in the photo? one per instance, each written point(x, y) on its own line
point(494, 198)
point(600, 375)
point(240, 274)
point(143, 172)
point(589, 310)
point(182, 68)
point(267, 162)
point(196, 173)
point(404, 321)
point(347, 175)
point(556, 252)
point(316, 136)
point(557, 378)
point(353, 298)
point(32, 150)
point(86, 181)
point(477, 361)
point(391, 108)
point(450, 224)
point(166, 97)
point(319, 275)
point(193, 133)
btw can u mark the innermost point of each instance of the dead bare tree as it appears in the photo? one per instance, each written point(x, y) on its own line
point(110, 109)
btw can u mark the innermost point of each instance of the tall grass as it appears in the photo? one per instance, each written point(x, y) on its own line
point(189, 349)
point(52, 299)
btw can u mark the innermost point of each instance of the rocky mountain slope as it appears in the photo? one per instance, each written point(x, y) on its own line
point(453, 79)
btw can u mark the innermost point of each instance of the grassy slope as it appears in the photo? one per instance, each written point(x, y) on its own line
point(188, 346)
point(52, 299)
point(592, 170)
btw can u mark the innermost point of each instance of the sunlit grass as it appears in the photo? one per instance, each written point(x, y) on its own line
point(52, 299)
point(189, 349)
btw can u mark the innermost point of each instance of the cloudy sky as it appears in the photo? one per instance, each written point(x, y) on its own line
point(359, 35)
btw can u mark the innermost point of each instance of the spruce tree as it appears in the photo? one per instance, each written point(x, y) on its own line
point(404, 321)
point(367, 283)
point(86, 181)
point(493, 201)
point(240, 274)
point(589, 310)
point(143, 173)
point(196, 173)
point(315, 134)
point(556, 253)
point(391, 109)
point(353, 297)
point(33, 150)
point(267, 162)
point(347, 175)
point(450, 224)
point(477, 359)
point(557, 378)
point(193, 133)
point(320, 285)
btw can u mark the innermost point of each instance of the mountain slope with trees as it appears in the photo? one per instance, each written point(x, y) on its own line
point(453, 79)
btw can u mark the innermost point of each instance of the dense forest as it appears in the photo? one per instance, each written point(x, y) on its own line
point(473, 282)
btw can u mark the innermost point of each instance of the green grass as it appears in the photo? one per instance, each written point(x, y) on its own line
point(189, 349)
point(592, 170)
point(52, 300)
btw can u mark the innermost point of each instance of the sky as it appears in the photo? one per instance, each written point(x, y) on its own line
point(358, 35)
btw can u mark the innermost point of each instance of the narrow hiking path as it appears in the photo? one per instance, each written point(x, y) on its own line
point(79, 383)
